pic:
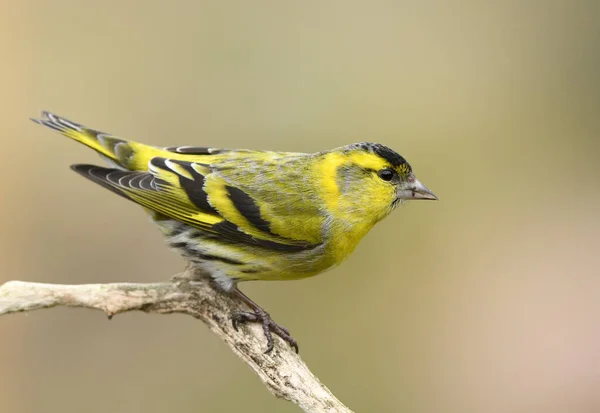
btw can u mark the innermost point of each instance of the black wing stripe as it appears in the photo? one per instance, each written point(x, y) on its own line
point(196, 150)
point(194, 188)
point(233, 233)
point(248, 208)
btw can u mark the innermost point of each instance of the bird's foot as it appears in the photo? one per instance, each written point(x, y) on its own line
point(269, 326)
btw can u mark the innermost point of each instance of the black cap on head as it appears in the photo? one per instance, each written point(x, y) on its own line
point(383, 151)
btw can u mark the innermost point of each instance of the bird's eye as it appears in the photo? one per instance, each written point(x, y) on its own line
point(386, 174)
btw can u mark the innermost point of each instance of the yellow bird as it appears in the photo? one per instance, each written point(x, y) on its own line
point(243, 215)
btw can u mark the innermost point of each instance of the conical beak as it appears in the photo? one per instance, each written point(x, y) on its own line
point(416, 191)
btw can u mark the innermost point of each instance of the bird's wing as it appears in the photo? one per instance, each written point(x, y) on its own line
point(192, 193)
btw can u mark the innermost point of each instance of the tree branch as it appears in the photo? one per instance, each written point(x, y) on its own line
point(282, 370)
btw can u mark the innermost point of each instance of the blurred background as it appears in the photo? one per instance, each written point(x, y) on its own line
point(486, 301)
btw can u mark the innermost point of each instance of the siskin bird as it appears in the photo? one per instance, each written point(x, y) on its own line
point(243, 215)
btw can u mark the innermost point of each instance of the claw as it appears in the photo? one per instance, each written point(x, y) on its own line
point(269, 326)
point(258, 315)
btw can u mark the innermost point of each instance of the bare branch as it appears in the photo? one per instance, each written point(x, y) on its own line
point(282, 370)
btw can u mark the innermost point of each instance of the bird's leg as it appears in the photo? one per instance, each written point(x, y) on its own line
point(258, 315)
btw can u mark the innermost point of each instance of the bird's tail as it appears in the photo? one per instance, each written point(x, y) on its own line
point(117, 152)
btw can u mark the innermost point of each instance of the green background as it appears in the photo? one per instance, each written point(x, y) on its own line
point(486, 301)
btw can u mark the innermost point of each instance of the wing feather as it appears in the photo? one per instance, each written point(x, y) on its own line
point(196, 150)
point(178, 190)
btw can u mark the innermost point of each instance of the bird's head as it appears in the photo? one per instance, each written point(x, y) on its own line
point(374, 179)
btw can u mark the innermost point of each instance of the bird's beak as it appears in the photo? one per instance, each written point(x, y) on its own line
point(416, 190)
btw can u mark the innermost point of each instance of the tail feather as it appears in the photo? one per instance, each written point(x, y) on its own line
point(117, 152)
